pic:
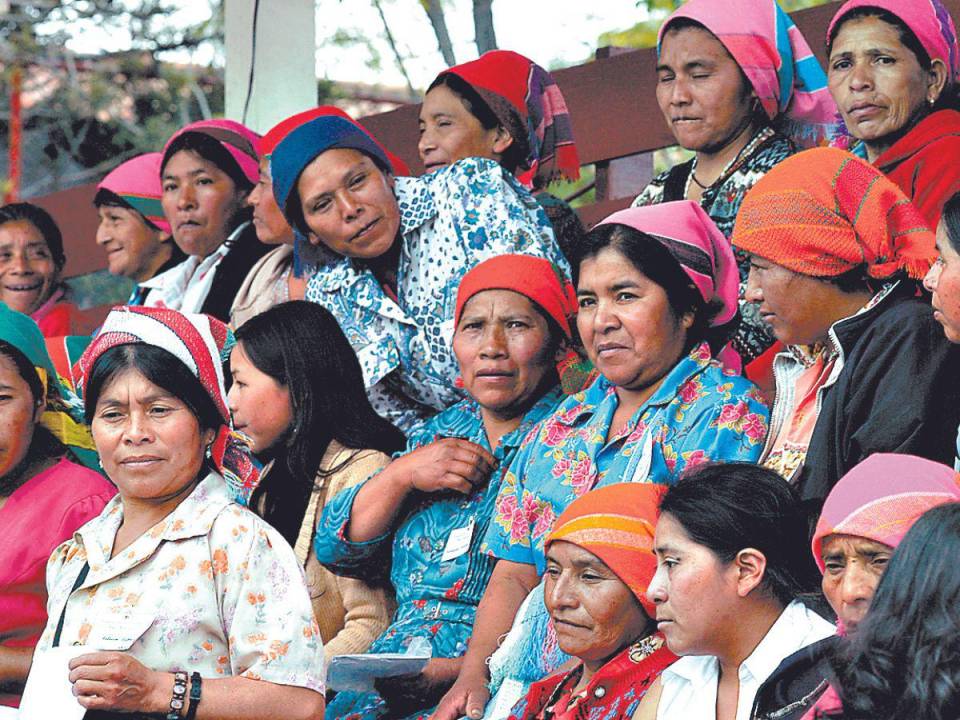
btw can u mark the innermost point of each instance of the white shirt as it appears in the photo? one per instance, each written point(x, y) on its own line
point(690, 684)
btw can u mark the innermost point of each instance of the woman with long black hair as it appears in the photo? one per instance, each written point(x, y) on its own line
point(298, 394)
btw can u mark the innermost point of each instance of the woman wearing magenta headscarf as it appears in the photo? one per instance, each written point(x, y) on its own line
point(893, 69)
point(739, 86)
point(401, 245)
point(657, 289)
point(208, 170)
point(505, 107)
point(863, 521)
point(133, 231)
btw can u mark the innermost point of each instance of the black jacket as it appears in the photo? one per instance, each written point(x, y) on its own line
point(797, 683)
point(899, 391)
point(232, 271)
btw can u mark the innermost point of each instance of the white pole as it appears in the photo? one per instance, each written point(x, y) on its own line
point(284, 75)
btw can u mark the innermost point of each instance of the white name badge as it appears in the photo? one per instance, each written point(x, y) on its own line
point(119, 630)
point(49, 692)
point(459, 542)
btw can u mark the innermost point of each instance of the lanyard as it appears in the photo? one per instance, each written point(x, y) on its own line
point(63, 615)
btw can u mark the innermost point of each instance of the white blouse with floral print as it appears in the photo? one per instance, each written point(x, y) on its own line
point(212, 588)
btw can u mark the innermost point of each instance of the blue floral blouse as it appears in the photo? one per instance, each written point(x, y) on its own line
point(700, 413)
point(451, 220)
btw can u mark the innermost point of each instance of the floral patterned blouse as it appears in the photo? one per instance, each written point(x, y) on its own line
point(699, 413)
point(437, 590)
point(211, 588)
point(450, 220)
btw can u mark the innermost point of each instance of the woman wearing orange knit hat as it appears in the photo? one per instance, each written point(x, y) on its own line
point(837, 252)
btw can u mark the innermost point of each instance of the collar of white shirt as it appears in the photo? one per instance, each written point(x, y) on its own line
point(690, 684)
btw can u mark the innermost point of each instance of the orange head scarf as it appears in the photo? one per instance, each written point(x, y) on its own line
point(824, 212)
point(616, 524)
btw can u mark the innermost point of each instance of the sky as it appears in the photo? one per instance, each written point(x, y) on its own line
point(554, 33)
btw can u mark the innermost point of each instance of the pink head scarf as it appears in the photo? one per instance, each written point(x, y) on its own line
point(882, 497)
point(240, 141)
point(200, 342)
point(137, 183)
point(777, 60)
point(929, 20)
point(694, 241)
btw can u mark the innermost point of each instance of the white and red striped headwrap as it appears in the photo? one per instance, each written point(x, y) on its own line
point(200, 342)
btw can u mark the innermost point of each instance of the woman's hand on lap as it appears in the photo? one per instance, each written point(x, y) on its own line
point(408, 693)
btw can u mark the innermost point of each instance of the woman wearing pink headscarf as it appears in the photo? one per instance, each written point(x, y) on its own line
point(207, 171)
point(133, 231)
point(893, 69)
point(739, 86)
point(864, 518)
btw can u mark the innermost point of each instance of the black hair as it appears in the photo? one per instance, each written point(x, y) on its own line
point(294, 208)
point(949, 97)
point(951, 221)
point(650, 257)
point(903, 660)
point(210, 150)
point(301, 346)
point(108, 198)
point(160, 367)
point(727, 507)
point(43, 443)
point(758, 116)
point(515, 155)
point(44, 224)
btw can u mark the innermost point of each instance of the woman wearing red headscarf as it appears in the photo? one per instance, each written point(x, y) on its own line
point(424, 516)
point(507, 108)
point(837, 251)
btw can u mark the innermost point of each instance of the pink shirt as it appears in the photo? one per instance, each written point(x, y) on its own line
point(40, 515)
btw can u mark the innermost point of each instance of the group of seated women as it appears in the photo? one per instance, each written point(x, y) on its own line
point(585, 469)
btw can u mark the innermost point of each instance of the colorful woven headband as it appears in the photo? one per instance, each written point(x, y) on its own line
point(137, 183)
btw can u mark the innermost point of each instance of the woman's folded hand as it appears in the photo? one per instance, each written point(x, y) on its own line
point(118, 681)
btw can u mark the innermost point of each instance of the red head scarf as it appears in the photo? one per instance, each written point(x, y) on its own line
point(279, 131)
point(616, 523)
point(824, 212)
point(882, 497)
point(537, 279)
point(527, 102)
point(200, 342)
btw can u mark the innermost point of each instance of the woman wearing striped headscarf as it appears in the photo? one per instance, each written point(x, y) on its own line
point(133, 231)
point(837, 251)
point(739, 86)
point(600, 561)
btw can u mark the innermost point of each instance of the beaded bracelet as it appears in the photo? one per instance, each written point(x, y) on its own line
point(179, 692)
point(195, 687)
